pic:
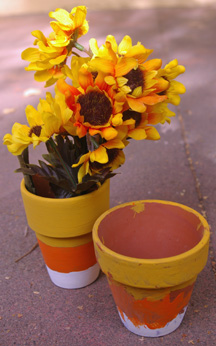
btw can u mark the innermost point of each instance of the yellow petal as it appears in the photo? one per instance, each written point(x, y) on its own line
point(33, 116)
point(99, 155)
point(61, 16)
point(122, 81)
point(112, 40)
point(93, 46)
point(126, 89)
point(117, 119)
point(139, 52)
point(124, 66)
point(125, 45)
point(82, 8)
point(122, 132)
point(153, 64)
point(85, 78)
point(109, 133)
point(31, 54)
point(174, 99)
point(58, 60)
point(152, 133)
point(103, 65)
point(82, 159)
point(79, 16)
point(136, 105)
point(114, 143)
point(137, 134)
point(38, 34)
point(110, 80)
point(84, 169)
point(177, 87)
point(137, 92)
point(42, 76)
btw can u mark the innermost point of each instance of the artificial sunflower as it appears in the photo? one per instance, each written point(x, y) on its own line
point(47, 60)
point(73, 22)
point(57, 117)
point(52, 116)
point(50, 57)
point(97, 107)
point(22, 135)
point(127, 72)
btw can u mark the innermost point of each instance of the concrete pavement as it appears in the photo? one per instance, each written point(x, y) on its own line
point(180, 167)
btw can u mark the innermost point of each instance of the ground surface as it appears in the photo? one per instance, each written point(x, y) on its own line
point(180, 167)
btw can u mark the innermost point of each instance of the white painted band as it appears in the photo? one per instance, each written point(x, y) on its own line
point(153, 333)
point(74, 279)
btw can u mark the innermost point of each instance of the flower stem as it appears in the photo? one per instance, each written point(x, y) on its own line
point(94, 142)
point(82, 49)
point(23, 161)
point(70, 177)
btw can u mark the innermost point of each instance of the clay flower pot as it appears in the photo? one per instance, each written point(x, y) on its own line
point(63, 228)
point(151, 252)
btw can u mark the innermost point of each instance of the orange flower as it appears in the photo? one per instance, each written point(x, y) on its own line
point(97, 108)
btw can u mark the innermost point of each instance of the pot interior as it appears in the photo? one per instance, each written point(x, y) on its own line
point(150, 230)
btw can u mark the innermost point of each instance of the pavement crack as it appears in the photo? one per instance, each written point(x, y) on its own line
point(197, 184)
point(28, 252)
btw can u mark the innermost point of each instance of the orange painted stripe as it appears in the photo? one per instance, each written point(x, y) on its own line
point(68, 259)
point(153, 314)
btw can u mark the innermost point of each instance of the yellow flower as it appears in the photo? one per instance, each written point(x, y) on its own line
point(57, 117)
point(71, 22)
point(51, 117)
point(22, 135)
point(18, 140)
point(108, 154)
point(171, 88)
point(97, 108)
point(46, 60)
point(126, 70)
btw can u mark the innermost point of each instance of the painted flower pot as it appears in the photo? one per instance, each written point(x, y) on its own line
point(151, 252)
point(63, 228)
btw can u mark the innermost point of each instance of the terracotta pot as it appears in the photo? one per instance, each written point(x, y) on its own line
point(63, 228)
point(151, 252)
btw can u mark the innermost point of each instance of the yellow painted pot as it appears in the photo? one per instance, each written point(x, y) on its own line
point(63, 228)
point(151, 252)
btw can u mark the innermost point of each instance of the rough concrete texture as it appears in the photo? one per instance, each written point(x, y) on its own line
point(180, 167)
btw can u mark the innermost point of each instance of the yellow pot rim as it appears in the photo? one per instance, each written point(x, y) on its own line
point(56, 200)
point(64, 217)
point(152, 273)
point(204, 241)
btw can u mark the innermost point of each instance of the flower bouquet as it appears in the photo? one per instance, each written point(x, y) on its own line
point(104, 97)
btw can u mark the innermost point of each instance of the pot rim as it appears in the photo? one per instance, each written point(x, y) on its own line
point(56, 200)
point(44, 215)
point(204, 241)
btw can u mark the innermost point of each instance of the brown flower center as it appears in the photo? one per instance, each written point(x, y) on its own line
point(135, 79)
point(134, 115)
point(95, 107)
point(36, 130)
